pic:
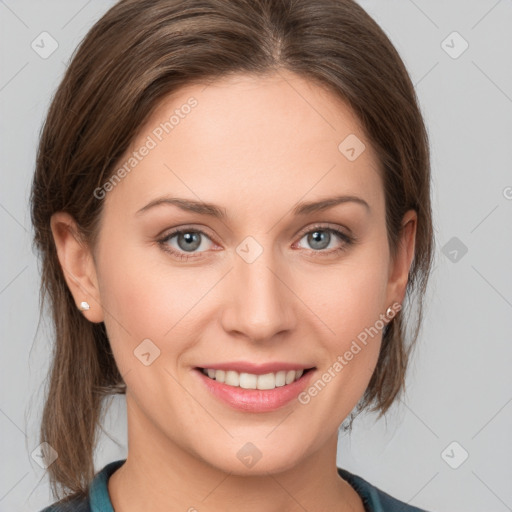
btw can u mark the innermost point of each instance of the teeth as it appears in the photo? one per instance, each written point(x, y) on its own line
point(248, 381)
point(251, 381)
point(232, 378)
point(280, 379)
point(290, 376)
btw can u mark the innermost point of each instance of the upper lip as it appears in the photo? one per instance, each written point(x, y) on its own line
point(256, 369)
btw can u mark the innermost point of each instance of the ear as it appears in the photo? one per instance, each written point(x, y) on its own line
point(77, 265)
point(400, 265)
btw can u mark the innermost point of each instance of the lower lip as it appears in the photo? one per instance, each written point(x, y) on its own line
point(256, 400)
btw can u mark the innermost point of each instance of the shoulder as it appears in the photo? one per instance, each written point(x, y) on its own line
point(374, 499)
point(70, 504)
point(97, 497)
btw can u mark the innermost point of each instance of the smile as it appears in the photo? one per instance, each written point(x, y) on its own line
point(252, 381)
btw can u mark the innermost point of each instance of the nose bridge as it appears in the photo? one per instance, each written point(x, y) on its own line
point(261, 303)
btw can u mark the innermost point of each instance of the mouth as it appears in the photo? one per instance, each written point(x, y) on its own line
point(255, 392)
point(245, 380)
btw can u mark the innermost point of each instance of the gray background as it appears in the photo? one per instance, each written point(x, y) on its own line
point(459, 382)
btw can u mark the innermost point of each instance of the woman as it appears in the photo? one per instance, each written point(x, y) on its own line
point(232, 203)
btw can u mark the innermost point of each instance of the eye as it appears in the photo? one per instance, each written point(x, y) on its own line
point(187, 242)
point(320, 238)
point(184, 243)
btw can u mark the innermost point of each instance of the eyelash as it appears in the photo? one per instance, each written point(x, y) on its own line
point(347, 239)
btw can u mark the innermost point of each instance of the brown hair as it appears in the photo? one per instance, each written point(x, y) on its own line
point(135, 55)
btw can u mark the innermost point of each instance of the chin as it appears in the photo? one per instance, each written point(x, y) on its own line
point(246, 458)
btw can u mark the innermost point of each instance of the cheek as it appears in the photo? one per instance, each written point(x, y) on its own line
point(353, 297)
point(131, 296)
point(144, 299)
point(351, 306)
point(353, 312)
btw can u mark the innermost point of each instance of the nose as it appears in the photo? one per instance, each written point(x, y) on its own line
point(261, 304)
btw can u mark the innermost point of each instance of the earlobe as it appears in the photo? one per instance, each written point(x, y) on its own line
point(78, 266)
point(400, 266)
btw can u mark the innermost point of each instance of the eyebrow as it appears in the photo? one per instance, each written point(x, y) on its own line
point(304, 208)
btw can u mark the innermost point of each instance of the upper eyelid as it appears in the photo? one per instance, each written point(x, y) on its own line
point(176, 231)
point(326, 227)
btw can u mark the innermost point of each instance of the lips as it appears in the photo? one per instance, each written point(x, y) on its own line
point(255, 388)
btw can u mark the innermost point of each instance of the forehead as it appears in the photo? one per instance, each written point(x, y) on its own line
point(248, 140)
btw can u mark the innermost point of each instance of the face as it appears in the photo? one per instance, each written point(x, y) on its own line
point(256, 285)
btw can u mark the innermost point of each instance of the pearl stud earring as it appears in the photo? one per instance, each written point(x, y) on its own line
point(84, 306)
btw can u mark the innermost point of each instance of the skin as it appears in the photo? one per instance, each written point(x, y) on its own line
point(254, 146)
